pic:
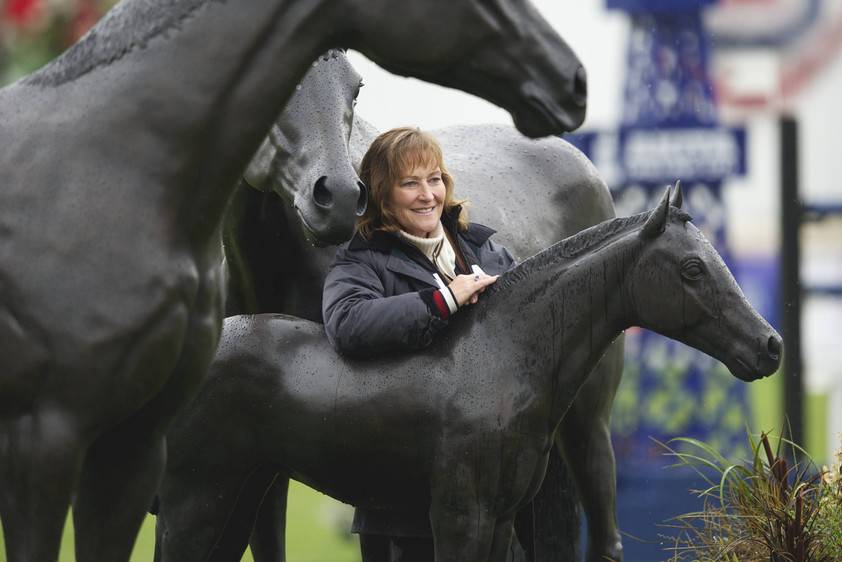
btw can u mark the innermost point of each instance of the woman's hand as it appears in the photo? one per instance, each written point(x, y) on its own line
point(466, 288)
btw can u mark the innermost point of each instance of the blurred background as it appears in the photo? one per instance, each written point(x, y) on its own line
point(740, 99)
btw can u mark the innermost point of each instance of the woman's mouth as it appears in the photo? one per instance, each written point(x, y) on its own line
point(424, 211)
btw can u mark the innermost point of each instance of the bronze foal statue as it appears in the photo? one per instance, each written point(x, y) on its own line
point(464, 428)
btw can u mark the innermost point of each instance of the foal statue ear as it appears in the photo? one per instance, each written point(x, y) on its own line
point(258, 170)
point(657, 221)
point(677, 196)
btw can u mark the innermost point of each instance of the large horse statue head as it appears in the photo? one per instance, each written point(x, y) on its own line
point(681, 286)
point(532, 73)
point(305, 158)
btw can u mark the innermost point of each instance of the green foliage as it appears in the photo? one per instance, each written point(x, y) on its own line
point(830, 507)
point(33, 32)
point(775, 507)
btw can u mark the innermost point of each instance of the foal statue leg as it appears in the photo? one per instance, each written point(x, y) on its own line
point(267, 540)
point(465, 490)
point(207, 515)
point(585, 439)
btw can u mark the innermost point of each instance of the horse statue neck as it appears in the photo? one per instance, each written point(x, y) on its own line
point(188, 110)
point(570, 299)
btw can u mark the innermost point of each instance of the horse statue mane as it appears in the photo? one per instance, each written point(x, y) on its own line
point(125, 28)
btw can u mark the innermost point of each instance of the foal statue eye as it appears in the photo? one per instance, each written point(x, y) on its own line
point(692, 269)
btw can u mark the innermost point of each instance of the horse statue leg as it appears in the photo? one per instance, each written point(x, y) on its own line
point(119, 476)
point(43, 450)
point(584, 437)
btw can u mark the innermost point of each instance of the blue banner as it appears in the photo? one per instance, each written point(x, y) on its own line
point(691, 154)
point(662, 7)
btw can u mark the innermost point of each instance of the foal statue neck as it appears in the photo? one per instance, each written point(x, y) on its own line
point(570, 297)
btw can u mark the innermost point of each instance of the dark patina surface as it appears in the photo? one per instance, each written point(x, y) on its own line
point(118, 160)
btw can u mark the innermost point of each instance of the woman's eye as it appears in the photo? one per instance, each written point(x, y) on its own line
point(435, 179)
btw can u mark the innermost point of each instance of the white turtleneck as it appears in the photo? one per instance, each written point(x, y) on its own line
point(437, 248)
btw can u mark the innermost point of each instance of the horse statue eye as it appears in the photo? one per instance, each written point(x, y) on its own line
point(692, 269)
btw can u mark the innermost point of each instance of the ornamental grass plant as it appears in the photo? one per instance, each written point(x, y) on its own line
point(776, 507)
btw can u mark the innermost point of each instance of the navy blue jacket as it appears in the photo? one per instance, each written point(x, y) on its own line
point(379, 293)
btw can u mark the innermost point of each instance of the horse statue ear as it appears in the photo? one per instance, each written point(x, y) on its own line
point(258, 170)
point(657, 221)
point(677, 196)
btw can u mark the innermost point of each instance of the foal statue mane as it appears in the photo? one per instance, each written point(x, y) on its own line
point(589, 240)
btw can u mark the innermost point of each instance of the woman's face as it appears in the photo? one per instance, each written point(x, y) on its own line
point(417, 200)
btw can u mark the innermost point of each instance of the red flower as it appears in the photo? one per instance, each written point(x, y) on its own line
point(22, 12)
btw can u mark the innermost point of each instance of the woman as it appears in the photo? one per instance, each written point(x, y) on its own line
point(413, 263)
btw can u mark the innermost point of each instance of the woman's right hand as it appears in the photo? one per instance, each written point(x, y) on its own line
point(466, 288)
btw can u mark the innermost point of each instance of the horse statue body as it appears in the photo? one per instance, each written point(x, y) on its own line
point(463, 428)
point(118, 161)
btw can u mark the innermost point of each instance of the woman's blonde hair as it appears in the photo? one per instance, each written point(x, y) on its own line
point(392, 156)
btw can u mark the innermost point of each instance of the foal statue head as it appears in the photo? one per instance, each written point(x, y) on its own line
point(680, 270)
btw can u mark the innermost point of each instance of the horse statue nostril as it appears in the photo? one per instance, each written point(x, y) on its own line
point(774, 346)
point(362, 201)
point(321, 193)
point(580, 87)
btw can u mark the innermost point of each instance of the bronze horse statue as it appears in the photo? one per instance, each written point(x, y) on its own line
point(118, 161)
point(464, 428)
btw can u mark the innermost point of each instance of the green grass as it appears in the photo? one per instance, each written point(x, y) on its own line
point(317, 531)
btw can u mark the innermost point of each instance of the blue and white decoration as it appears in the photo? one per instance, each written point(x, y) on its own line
point(669, 131)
